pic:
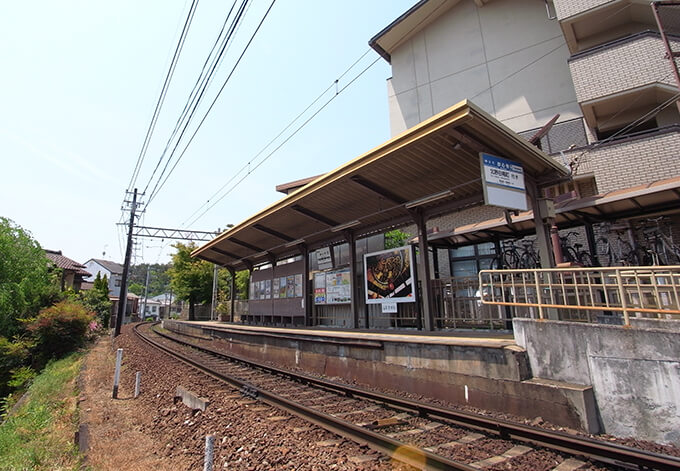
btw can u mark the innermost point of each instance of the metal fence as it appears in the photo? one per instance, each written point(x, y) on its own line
point(585, 294)
point(459, 306)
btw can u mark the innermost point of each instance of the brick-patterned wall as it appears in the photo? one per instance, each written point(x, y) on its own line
point(634, 162)
point(567, 8)
point(623, 66)
point(467, 216)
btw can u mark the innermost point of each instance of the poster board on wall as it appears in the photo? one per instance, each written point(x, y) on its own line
point(333, 287)
point(388, 276)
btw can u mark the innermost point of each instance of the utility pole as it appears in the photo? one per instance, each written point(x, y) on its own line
point(122, 299)
point(146, 292)
point(214, 294)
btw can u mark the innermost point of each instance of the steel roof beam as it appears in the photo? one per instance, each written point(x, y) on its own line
point(225, 253)
point(313, 215)
point(377, 189)
point(245, 244)
point(274, 233)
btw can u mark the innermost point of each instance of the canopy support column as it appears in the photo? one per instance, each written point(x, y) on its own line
point(424, 270)
point(232, 292)
point(306, 298)
point(351, 241)
point(542, 221)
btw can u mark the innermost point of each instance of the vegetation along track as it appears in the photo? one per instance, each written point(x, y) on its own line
point(418, 434)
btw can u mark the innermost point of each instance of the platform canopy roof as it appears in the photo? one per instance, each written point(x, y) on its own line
point(433, 167)
point(649, 200)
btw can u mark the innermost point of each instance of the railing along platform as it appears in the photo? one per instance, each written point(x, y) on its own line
point(578, 294)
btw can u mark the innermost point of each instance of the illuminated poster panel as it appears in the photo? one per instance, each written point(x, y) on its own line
point(388, 275)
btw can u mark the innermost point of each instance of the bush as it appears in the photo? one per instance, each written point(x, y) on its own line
point(61, 329)
point(13, 355)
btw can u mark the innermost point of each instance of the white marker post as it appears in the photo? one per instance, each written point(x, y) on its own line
point(138, 382)
point(116, 375)
point(209, 453)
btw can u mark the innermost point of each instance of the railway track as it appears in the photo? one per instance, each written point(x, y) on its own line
point(415, 433)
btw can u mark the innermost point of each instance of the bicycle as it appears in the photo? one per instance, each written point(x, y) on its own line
point(660, 248)
point(511, 257)
point(621, 252)
point(575, 254)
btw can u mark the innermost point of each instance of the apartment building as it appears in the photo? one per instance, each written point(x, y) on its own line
point(600, 65)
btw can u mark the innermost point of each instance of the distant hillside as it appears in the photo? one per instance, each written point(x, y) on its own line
point(159, 280)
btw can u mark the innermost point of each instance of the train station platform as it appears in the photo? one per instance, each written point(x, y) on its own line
point(480, 369)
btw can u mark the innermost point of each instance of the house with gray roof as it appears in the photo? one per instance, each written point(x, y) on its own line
point(112, 270)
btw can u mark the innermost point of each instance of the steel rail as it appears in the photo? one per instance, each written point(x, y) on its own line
point(395, 449)
point(597, 450)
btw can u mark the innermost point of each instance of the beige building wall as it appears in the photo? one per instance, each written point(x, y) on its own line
point(507, 57)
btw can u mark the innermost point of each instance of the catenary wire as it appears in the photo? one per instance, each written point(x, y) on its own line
point(288, 126)
point(287, 139)
point(158, 187)
point(164, 89)
point(197, 93)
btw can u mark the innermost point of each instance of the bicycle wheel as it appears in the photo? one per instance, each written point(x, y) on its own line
point(586, 260)
point(569, 255)
point(529, 260)
point(632, 258)
point(496, 263)
point(510, 259)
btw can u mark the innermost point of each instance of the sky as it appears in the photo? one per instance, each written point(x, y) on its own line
point(80, 81)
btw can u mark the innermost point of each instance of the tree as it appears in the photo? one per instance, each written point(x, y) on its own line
point(242, 282)
point(395, 238)
point(136, 288)
point(25, 282)
point(97, 300)
point(190, 278)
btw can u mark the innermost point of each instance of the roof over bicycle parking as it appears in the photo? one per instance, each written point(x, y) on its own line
point(433, 167)
point(657, 198)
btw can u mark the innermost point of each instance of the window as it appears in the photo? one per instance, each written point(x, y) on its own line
point(116, 282)
point(467, 261)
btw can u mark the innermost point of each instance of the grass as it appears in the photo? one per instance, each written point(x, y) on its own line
point(40, 434)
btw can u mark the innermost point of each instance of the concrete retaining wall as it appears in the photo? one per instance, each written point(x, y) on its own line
point(634, 372)
point(492, 378)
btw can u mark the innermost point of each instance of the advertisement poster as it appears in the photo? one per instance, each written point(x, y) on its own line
point(282, 287)
point(298, 285)
point(275, 288)
point(290, 286)
point(389, 276)
point(268, 289)
point(319, 288)
point(338, 287)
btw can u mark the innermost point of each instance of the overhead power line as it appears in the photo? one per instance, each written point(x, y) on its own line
point(160, 185)
point(288, 126)
point(298, 129)
point(164, 90)
point(200, 86)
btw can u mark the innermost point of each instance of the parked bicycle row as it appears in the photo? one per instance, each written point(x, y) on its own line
point(614, 247)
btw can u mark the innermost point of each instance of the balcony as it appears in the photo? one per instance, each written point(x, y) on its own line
point(590, 23)
point(627, 161)
point(618, 82)
point(568, 8)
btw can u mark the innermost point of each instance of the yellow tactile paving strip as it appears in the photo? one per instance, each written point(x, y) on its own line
point(469, 339)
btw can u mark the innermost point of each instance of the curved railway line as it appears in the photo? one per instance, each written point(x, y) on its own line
point(415, 433)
